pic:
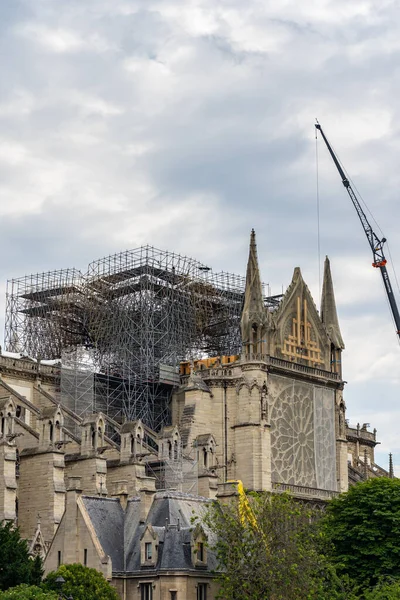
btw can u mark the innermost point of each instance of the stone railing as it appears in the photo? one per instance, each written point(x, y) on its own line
point(27, 365)
point(303, 491)
point(361, 433)
point(291, 366)
point(279, 363)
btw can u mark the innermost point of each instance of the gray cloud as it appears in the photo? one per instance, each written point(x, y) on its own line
point(184, 124)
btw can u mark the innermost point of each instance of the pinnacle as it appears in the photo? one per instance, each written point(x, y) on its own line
point(328, 308)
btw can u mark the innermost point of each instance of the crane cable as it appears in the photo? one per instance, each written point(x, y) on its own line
point(373, 219)
point(318, 224)
point(359, 195)
point(353, 185)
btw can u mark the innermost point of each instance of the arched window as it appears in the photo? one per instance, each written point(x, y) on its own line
point(51, 431)
point(255, 338)
point(169, 449)
point(205, 457)
point(175, 449)
point(9, 423)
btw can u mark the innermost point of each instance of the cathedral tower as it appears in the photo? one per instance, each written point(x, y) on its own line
point(277, 413)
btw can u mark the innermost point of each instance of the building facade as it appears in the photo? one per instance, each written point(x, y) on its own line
point(119, 496)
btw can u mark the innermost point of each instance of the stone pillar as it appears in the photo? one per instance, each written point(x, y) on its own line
point(207, 485)
point(91, 470)
point(41, 491)
point(70, 550)
point(227, 492)
point(342, 469)
point(121, 492)
point(252, 436)
point(8, 481)
point(133, 474)
point(146, 500)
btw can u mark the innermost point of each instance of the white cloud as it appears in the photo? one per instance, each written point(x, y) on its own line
point(56, 40)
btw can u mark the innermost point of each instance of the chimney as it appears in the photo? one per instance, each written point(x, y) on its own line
point(121, 492)
point(146, 500)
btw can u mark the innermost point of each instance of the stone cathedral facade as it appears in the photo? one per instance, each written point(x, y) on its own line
point(273, 417)
point(276, 415)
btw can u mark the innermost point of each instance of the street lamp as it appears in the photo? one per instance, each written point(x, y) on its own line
point(60, 582)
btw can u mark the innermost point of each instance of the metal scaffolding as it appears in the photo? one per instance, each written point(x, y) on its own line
point(138, 313)
point(77, 380)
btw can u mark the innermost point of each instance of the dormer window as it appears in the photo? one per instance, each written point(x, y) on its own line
point(148, 551)
point(199, 549)
point(149, 547)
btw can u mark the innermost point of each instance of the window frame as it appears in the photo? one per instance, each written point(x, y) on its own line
point(146, 590)
point(201, 554)
point(202, 591)
point(148, 551)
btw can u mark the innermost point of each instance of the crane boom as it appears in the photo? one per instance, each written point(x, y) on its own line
point(376, 244)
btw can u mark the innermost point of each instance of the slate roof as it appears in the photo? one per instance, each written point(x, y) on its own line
point(130, 426)
point(204, 438)
point(170, 516)
point(196, 382)
point(108, 518)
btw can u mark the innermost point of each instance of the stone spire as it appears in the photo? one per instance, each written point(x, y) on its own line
point(328, 308)
point(254, 316)
point(253, 300)
point(391, 470)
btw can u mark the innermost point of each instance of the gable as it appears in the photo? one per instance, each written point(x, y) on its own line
point(300, 335)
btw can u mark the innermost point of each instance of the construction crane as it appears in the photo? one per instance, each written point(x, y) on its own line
point(376, 244)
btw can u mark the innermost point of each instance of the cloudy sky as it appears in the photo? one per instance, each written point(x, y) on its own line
point(185, 123)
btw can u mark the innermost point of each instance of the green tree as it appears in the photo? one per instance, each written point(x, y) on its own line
point(28, 592)
point(82, 583)
point(384, 591)
point(37, 570)
point(15, 564)
point(275, 554)
point(363, 526)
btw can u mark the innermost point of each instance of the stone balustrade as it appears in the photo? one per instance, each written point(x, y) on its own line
point(303, 491)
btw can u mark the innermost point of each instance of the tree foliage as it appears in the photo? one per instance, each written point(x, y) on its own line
point(37, 571)
point(28, 592)
point(82, 583)
point(16, 566)
point(275, 556)
point(386, 590)
point(364, 527)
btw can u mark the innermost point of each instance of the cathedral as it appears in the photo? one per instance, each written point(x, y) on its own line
point(119, 496)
